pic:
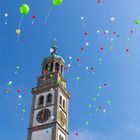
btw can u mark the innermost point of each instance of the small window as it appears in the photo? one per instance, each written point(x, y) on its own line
point(60, 100)
point(41, 101)
point(59, 137)
point(57, 67)
point(46, 67)
point(64, 104)
point(61, 69)
point(49, 98)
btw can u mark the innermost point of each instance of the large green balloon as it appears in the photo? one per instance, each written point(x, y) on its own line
point(136, 21)
point(24, 9)
point(56, 2)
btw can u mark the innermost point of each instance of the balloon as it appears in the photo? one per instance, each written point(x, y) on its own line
point(96, 109)
point(51, 75)
point(85, 33)
point(78, 59)
point(24, 9)
point(86, 68)
point(99, 87)
point(18, 31)
point(69, 65)
point(112, 19)
point(6, 15)
point(89, 106)
point(87, 44)
point(105, 84)
point(56, 2)
point(77, 78)
point(20, 96)
point(98, 31)
point(136, 21)
point(34, 17)
point(52, 117)
point(109, 102)
point(23, 110)
point(82, 18)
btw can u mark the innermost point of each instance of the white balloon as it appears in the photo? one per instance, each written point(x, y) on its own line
point(98, 31)
point(112, 18)
point(86, 68)
point(82, 18)
point(106, 31)
point(87, 44)
point(10, 82)
point(6, 15)
point(52, 117)
point(69, 65)
point(20, 96)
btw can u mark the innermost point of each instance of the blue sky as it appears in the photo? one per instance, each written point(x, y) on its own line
point(119, 69)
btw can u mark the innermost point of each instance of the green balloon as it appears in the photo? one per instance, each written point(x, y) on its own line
point(24, 9)
point(109, 102)
point(23, 110)
point(77, 78)
point(56, 2)
point(136, 21)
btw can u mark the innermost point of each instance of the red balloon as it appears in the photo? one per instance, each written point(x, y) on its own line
point(34, 17)
point(86, 33)
point(44, 72)
point(78, 59)
point(18, 91)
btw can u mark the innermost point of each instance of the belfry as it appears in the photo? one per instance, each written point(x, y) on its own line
point(50, 101)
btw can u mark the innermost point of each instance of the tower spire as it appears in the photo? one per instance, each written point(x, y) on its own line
point(55, 49)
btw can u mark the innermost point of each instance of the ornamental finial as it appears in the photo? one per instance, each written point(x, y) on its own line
point(54, 49)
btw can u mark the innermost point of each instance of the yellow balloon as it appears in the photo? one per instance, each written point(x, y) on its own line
point(18, 31)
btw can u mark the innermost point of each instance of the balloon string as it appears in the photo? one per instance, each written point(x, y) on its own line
point(46, 18)
point(17, 37)
point(20, 22)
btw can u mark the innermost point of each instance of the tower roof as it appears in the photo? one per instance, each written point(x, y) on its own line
point(54, 53)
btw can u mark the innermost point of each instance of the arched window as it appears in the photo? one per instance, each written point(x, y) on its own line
point(56, 67)
point(59, 137)
point(41, 101)
point(60, 100)
point(64, 104)
point(49, 98)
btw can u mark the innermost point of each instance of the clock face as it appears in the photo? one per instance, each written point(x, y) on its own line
point(51, 50)
point(62, 118)
point(43, 115)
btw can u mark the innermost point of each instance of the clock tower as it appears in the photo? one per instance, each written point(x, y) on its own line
point(50, 100)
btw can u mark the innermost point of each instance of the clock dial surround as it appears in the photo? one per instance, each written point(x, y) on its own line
point(62, 118)
point(43, 115)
